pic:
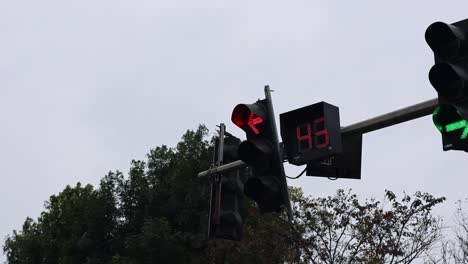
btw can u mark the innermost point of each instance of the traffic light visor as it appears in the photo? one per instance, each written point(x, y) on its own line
point(257, 153)
point(448, 80)
point(444, 40)
point(250, 118)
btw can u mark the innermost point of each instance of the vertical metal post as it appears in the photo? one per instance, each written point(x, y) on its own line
point(222, 129)
point(215, 182)
point(218, 177)
point(277, 151)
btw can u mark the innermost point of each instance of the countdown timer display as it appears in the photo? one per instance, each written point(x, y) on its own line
point(310, 133)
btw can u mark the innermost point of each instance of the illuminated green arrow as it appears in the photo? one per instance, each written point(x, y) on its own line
point(458, 125)
point(464, 133)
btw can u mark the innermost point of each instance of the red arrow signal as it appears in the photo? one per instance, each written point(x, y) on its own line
point(249, 118)
point(253, 121)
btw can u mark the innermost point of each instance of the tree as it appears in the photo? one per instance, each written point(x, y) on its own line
point(341, 229)
point(454, 250)
point(460, 245)
point(74, 228)
point(158, 213)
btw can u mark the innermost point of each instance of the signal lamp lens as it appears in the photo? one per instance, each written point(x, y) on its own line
point(448, 119)
point(247, 120)
point(238, 115)
point(446, 80)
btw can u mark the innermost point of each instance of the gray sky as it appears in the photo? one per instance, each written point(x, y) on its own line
point(86, 86)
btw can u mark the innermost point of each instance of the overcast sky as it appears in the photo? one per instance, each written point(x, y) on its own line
point(87, 86)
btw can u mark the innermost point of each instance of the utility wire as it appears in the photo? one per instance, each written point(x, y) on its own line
point(298, 176)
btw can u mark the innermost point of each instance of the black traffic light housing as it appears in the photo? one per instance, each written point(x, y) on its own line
point(227, 197)
point(449, 77)
point(311, 133)
point(265, 186)
point(343, 165)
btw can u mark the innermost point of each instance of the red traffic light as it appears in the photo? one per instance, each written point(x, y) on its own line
point(250, 118)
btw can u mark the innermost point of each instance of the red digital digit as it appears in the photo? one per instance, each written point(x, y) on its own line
point(320, 133)
point(307, 136)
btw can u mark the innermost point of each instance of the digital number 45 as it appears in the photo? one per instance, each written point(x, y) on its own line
point(309, 133)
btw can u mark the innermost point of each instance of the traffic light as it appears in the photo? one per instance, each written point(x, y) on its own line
point(449, 76)
point(260, 151)
point(226, 206)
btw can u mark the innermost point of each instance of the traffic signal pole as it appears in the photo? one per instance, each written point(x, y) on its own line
point(215, 182)
point(393, 118)
point(277, 151)
point(389, 119)
point(222, 129)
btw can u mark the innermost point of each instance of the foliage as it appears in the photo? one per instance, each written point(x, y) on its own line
point(159, 213)
point(341, 229)
point(454, 250)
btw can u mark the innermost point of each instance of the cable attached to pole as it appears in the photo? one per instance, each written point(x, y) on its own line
point(298, 176)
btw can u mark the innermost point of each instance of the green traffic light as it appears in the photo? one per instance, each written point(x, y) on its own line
point(455, 126)
point(435, 118)
point(464, 133)
point(450, 120)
